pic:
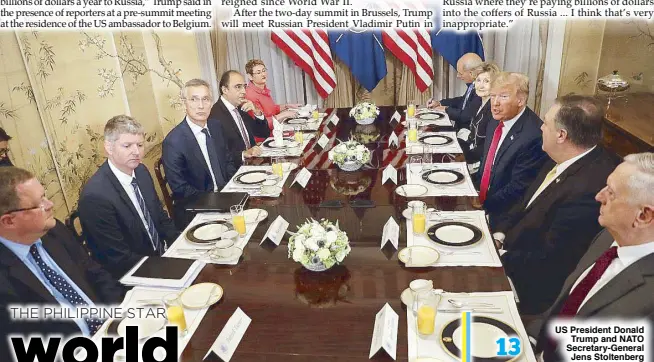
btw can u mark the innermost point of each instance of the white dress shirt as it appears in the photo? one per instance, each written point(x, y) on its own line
point(627, 255)
point(126, 181)
point(559, 170)
point(202, 142)
point(505, 131)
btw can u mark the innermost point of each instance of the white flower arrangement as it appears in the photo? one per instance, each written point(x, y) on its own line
point(319, 242)
point(364, 110)
point(349, 151)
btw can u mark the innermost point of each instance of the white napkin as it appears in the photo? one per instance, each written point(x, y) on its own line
point(463, 188)
point(453, 147)
point(485, 247)
point(422, 346)
point(278, 136)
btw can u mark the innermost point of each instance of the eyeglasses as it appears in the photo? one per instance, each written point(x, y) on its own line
point(264, 70)
point(40, 206)
point(196, 101)
point(4, 152)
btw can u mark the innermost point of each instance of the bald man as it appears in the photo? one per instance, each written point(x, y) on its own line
point(461, 109)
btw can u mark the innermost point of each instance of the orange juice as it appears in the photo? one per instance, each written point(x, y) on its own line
point(426, 317)
point(239, 224)
point(299, 137)
point(176, 317)
point(413, 135)
point(277, 169)
point(315, 115)
point(411, 110)
point(418, 221)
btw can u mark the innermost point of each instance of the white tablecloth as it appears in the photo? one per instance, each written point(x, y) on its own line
point(430, 346)
point(485, 247)
point(463, 188)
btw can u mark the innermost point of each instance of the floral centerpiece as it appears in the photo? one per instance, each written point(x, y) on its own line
point(350, 155)
point(318, 245)
point(364, 113)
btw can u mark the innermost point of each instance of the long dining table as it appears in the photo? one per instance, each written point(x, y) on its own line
point(300, 315)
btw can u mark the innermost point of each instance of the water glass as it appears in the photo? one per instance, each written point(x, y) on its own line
point(427, 305)
point(427, 155)
point(415, 167)
point(175, 312)
point(238, 219)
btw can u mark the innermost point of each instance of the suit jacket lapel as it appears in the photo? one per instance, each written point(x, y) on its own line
point(192, 142)
point(65, 264)
point(228, 119)
point(121, 192)
point(22, 274)
point(511, 137)
point(621, 284)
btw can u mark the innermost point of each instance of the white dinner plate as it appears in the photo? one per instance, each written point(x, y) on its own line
point(253, 177)
point(146, 326)
point(485, 336)
point(407, 297)
point(442, 177)
point(411, 190)
point(430, 116)
point(418, 256)
point(210, 232)
point(255, 215)
point(455, 234)
point(201, 295)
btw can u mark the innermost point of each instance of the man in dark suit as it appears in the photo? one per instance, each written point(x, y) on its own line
point(462, 109)
point(239, 128)
point(513, 153)
point(194, 154)
point(551, 227)
point(122, 217)
point(4, 148)
point(615, 278)
point(42, 263)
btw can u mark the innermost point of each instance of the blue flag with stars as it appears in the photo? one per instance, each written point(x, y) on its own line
point(362, 52)
point(452, 44)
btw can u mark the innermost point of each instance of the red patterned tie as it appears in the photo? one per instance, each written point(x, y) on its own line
point(485, 178)
point(579, 293)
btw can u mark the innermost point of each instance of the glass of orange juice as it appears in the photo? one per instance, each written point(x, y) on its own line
point(411, 109)
point(238, 219)
point(418, 217)
point(315, 114)
point(278, 166)
point(413, 130)
point(175, 312)
point(427, 306)
point(299, 136)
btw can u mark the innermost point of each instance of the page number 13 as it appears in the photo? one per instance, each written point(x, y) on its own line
point(512, 343)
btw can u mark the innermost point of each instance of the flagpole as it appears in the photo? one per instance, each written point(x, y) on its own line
point(304, 87)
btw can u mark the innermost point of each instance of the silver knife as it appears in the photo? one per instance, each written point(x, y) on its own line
point(475, 310)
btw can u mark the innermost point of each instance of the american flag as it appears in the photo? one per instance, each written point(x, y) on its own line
point(309, 50)
point(412, 47)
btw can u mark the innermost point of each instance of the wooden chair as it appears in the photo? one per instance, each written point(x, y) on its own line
point(163, 185)
point(73, 223)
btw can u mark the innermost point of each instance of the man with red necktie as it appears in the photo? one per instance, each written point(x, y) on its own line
point(615, 278)
point(513, 153)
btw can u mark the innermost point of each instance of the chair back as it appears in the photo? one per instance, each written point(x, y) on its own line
point(75, 226)
point(163, 185)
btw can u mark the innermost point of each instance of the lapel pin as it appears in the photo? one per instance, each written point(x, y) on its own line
point(511, 137)
point(557, 180)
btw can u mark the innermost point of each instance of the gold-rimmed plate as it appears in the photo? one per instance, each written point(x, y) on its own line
point(484, 331)
point(209, 233)
point(201, 295)
point(418, 256)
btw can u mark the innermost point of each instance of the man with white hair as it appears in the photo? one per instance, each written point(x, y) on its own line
point(461, 109)
point(121, 214)
point(615, 278)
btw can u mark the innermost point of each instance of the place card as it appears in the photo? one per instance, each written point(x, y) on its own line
point(391, 233)
point(333, 119)
point(302, 178)
point(395, 118)
point(276, 231)
point(384, 335)
point(231, 335)
point(463, 134)
point(393, 140)
point(322, 141)
point(390, 173)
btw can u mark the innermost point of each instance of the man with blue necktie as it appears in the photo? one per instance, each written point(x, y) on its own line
point(121, 214)
point(42, 263)
point(461, 109)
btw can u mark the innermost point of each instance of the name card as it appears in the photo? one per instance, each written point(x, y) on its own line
point(276, 231)
point(393, 140)
point(391, 233)
point(230, 336)
point(384, 335)
point(395, 118)
point(302, 178)
point(463, 134)
point(333, 119)
point(323, 141)
point(390, 173)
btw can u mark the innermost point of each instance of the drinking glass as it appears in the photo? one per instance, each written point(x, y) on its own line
point(427, 155)
point(278, 166)
point(315, 114)
point(418, 217)
point(415, 167)
point(411, 109)
point(175, 312)
point(299, 136)
point(413, 130)
point(427, 306)
point(238, 219)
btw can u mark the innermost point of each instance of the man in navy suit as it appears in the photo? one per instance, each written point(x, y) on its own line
point(121, 214)
point(461, 109)
point(513, 153)
point(239, 127)
point(194, 154)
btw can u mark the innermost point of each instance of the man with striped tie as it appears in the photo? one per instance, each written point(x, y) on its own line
point(122, 217)
point(42, 263)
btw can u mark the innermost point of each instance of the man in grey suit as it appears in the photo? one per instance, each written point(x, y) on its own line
point(615, 278)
